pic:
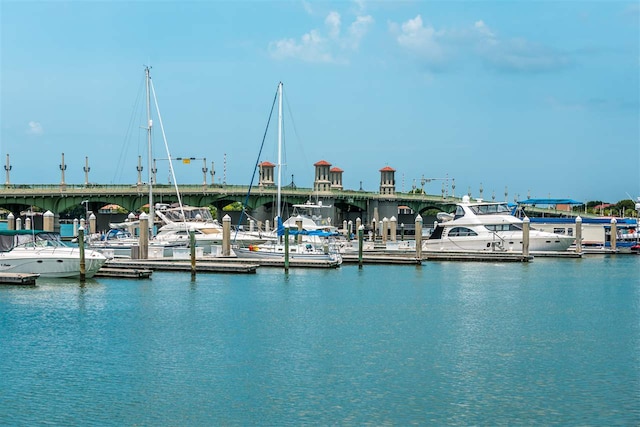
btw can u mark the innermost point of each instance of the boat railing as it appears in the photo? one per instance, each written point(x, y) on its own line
point(501, 241)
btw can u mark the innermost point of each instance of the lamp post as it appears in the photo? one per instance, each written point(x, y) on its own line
point(63, 168)
point(86, 170)
point(7, 168)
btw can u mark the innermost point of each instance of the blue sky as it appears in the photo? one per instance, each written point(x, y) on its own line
point(541, 97)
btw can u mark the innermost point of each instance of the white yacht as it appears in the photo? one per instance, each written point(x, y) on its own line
point(43, 253)
point(179, 221)
point(488, 226)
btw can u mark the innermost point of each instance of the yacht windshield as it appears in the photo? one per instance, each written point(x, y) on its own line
point(491, 209)
point(190, 214)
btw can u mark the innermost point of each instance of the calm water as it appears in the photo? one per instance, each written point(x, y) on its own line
point(551, 342)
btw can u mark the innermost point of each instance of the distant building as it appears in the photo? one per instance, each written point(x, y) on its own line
point(322, 180)
point(266, 174)
point(387, 180)
point(335, 176)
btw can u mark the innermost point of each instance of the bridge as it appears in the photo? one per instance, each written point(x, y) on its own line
point(346, 205)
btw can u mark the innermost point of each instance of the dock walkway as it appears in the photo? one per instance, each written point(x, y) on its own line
point(202, 266)
point(20, 279)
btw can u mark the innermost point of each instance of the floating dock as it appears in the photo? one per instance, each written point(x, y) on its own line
point(382, 258)
point(202, 266)
point(19, 279)
point(124, 273)
point(279, 262)
point(476, 256)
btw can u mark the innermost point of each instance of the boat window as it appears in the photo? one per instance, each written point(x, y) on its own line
point(437, 233)
point(459, 212)
point(558, 230)
point(491, 209)
point(461, 232)
point(503, 227)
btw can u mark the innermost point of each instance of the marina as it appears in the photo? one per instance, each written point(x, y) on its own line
point(553, 341)
point(354, 214)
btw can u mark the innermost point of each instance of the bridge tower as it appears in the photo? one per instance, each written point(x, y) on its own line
point(335, 176)
point(322, 181)
point(387, 180)
point(266, 174)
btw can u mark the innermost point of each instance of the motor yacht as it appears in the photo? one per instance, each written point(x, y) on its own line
point(488, 226)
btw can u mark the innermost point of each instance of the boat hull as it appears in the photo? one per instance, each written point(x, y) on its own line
point(56, 263)
point(504, 243)
point(294, 255)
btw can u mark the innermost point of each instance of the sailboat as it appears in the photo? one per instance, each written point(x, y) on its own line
point(119, 240)
point(276, 248)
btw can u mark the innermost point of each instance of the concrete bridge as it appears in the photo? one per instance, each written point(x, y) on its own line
point(345, 205)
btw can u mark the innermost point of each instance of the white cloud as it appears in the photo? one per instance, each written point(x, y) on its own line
point(438, 48)
point(35, 128)
point(311, 48)
point(307, 7)
point(422, 41)
point(358, 29)
point(332, 21)
point(316, 47)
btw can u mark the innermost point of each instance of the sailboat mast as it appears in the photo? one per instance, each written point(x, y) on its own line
point(150, 154)
point(278, 198)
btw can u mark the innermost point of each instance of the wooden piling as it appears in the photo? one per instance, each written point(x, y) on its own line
point(11, 221)
point(226, 235)
point(286, 249)
point(384, 229)
point(578, 234)
point(48, 221)
point(360, 244)
point(83, 269)
point(418, 237)
point(144, 236)
point(299, 227)
point(393, 227)
point(614, 234)
point(192, 247)
point(525, 236)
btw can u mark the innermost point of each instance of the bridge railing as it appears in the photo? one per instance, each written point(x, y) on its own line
point(18, 190)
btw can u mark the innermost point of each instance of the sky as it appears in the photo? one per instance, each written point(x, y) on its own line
point(530, 98)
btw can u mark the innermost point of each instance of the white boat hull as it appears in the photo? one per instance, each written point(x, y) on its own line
point(268, 253)
point(506, 243)
point(52, 263)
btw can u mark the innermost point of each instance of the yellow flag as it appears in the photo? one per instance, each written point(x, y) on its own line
point(186, 161)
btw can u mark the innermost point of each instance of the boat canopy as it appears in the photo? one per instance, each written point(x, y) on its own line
point(12, 238)
point(549, 202)
point(295, 231)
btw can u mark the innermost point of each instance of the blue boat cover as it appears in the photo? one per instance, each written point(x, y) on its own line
point(295, 232)
point(549, 202)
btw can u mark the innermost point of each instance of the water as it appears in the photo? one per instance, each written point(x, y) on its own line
point(551, 342)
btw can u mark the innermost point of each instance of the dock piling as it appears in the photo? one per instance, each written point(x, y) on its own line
point(226, 235)
point(144, 236)
point(192, 247)
point(525, 236)
point(614, 234)
point(360, 243)
point(286, 250)
point(578, 234)
point(418, 237)
point(83, 270)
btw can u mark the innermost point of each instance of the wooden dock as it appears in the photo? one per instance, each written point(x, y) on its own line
point(202, 266)
point(124, 273)
point(382, 258)
point(19, 279)
point(279, 262)
point(476, 256)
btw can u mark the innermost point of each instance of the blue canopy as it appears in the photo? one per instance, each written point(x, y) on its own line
point(295, 232)
point(549, 202)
